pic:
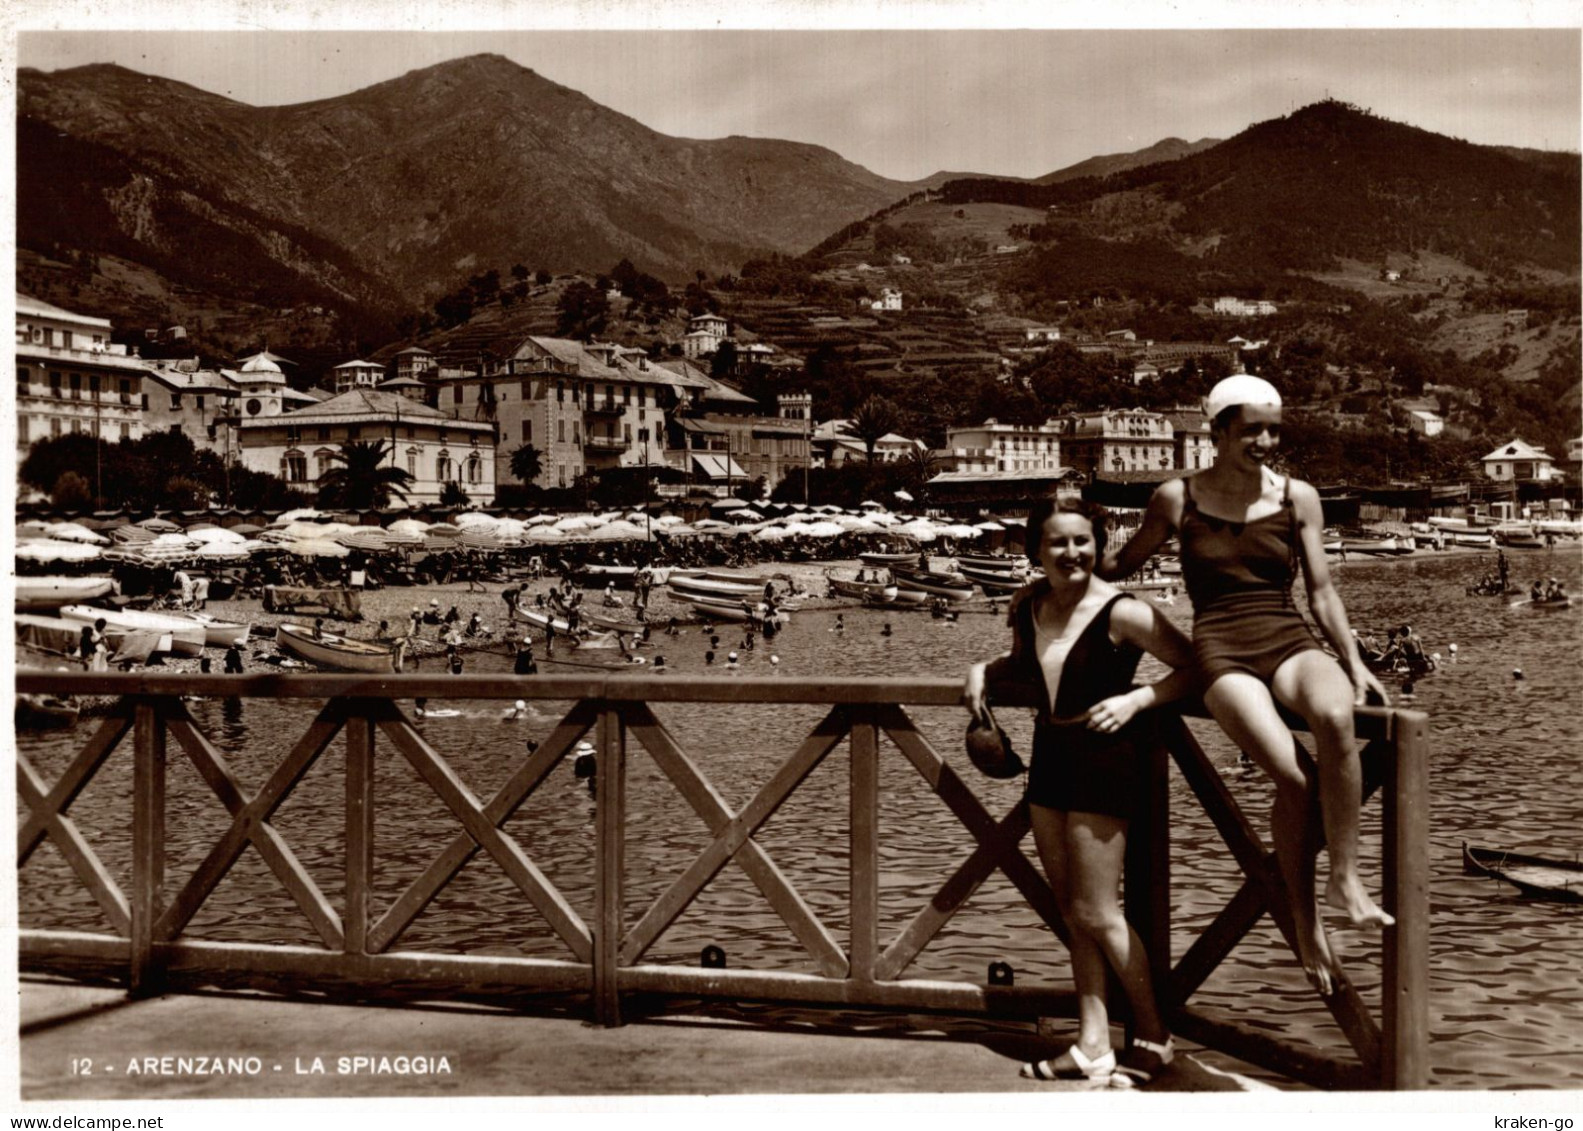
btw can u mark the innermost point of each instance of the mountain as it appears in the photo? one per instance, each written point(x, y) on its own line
point(1170, 149)
point(393, 193)
point(1326, 183)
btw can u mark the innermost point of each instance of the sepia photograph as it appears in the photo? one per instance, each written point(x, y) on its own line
point(813, 558)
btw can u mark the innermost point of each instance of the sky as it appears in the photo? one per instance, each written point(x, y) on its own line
point(972, 93)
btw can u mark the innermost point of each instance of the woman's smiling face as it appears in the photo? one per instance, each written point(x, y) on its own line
point(1067, 548)
point(1252, 435)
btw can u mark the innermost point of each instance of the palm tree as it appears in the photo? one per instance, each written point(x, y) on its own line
point(919, 466)
point(362, 479)
point(527, 464)
point(872, 421)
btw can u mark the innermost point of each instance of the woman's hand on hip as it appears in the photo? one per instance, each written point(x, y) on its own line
point(1110, 715)
point(1367, 690)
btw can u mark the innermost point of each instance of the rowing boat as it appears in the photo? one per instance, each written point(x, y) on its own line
point(221, 633)
point(336, 652)
point(877, 559)
point(1537, 877)
point(186, 636)
point(724, 608)
point(871, 592)
point(1551, 603)
point(53, 592)
point(540, 620)
point(991, 580)
point(953, 587)
point(999, 563)
point(693, 585)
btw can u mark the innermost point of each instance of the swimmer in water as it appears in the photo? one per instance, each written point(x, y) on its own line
point(420, 707)
point(517, 711)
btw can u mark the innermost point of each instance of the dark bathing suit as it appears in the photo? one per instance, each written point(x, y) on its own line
point(1239, 576)
point(1075, 769)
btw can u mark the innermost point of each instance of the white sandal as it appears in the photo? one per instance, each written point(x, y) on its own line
point(1084, 1068)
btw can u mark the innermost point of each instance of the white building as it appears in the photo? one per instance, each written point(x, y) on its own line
point(889, 299)
point(434, 448)
point(72, 378)
point(357, 374)
point(1233, 307)
point(1425, 423)
point(834, 443)
point(1518, 460)
point(993, 446)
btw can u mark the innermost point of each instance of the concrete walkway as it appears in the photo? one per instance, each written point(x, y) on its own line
point(297, 1050)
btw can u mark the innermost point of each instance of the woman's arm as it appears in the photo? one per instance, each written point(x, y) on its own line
point(1140, 624)
point(1322, 596)
point(1159, 522)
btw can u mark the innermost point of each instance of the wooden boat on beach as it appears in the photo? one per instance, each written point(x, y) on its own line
point(1378, 546)
point(1140, 584)
point(1538, 877)
point(186, 636)
point(889, 559)
point(695, 585)
point(53, 592)
point(337, 652)
point(598, 576)
point(221, 633)
point(541, 620)
point(998, 563)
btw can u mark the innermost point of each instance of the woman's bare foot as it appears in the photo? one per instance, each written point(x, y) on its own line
point(1353, 902)
point(1319, 961)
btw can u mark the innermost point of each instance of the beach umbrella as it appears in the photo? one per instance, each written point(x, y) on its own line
point(987, 526)
point(222, 550)
point(871, 505)
point(706, 525)
point(542, 534)
point(131, 534)
point(296, 515)
point(409, 527)
point(200, 526)
point(215, 535)
point(669, 520)
point(772, 534)
point(476, 520)
point(74, 532)
point(51, 550)
point(903, 496)
point(443, 528)
point(727, 504)
point(745, 514)
point(369, 540)
point(480, 540)
point(921, 529)
point(575, 522)
point(33, 529)
point(678, 530)
point(825, 529)
point(316, 548)
point(542, 519)
point(247, 529)
point(620, 529)
point(960, 530)
point(167, 552)
point(159, 526)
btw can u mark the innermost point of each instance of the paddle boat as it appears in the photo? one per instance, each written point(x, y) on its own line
point(186, 636)
point(992, 581)
point(337, 652)
point(1537, 877)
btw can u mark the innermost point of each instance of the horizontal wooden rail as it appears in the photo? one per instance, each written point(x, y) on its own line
point(605, 955)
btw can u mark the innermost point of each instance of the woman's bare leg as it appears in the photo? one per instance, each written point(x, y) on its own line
point(1242, 705)
point(1096, 852)
point(1088, 964)
point(1314, 686)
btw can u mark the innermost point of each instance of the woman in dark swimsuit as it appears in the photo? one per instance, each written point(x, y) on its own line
point(1244, 532)
point(1078, 640)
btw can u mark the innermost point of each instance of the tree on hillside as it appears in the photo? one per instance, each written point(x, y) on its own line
point(361, 478)
point(723, 363)
point(581, 312)
point(872, 420)
point(527, 464)
point(452, 495)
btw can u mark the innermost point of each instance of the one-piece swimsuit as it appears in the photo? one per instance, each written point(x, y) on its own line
point(1239, 576)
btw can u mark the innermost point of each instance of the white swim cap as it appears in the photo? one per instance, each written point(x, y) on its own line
point(732, 657)
point(522, 704)
point(775, 659)
point(1240, 389)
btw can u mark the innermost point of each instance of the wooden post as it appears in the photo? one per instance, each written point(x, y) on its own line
point(148, 842)
point(609, 847)
point(863, 865)
point(359, 828)
point(1404, 1060)
point(1148, 869)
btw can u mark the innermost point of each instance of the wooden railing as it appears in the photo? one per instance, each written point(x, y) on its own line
point(606, 957)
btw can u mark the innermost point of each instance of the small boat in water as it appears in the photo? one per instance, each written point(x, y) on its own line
point(951, 586)
point(726, 608)
point(1562, 602)
point(879, 592)
point(53, 592)
point(541, 620)
point(186, 636)
point(992, 581)
point(337, 652)
point(1538, 877)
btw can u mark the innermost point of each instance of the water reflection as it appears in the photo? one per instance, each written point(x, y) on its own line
point(1507, 1001)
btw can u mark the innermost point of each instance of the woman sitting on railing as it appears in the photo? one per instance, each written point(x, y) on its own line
point(1244, 531)
point(1078, 640)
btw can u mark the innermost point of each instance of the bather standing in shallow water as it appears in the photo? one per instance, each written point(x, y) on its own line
point(1245, 532)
